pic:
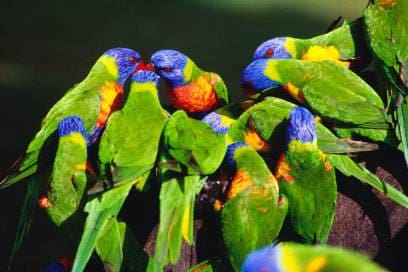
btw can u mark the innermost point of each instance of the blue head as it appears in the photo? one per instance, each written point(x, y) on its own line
point(170, 65)
point(215, 121)
point(72, 124)
point(272, 49)
point(265, 259)
point(302, 126)
point(231, 151)
point(144, 76)
point(127, 61)
point(55, 267)
point(254, 79)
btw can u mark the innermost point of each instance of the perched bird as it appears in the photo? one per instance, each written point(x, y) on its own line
point(342, 45)
point(195, 147)
point(192, 149)
point(312, 194)
point(254, 212)
point(68, 179)
point(293, 257)
point(190, 88)
point(386, 28)
point(93, 100)
point(129, 145)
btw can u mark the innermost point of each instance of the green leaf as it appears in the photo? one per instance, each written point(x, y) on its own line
point(350, 168)
point(101, 209)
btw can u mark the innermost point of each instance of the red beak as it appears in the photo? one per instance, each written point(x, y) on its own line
point(144, 67)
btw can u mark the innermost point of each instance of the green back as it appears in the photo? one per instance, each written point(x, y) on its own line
point(312, 193)
point(68, 180)
point(193, 144)
point(130, 142)
point(253, 218)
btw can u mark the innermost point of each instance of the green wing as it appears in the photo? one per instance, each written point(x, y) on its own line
point(194, 144)
point(68, 180)
point(220, 88)
point(82, 101)
point(311, 192)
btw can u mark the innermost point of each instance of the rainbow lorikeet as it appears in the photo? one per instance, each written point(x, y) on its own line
point(254, 211)
point(333, 92)
point(194, 148)
point(190, 88)
point(341, 44)
point(293, 257)
point(386, 28)
point(92, 100)
point(307, 179)
point(69, 178)
point(130, 142)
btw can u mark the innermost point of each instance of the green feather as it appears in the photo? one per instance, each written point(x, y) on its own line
point(254, 216)
point(311, 191)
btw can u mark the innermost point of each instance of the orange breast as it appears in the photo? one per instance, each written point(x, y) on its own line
point(198, 96)
point(112, 94)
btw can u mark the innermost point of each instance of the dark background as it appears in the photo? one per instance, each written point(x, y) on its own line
point(47, 46)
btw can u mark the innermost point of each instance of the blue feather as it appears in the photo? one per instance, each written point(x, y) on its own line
point(231, 151)
point(143, 76)
point(272, 49)
point(265, 259)
point(170, 65)
point(302, 126)
point(127, 61)
point(214, 120)
point(72, 124)
point(254, 79)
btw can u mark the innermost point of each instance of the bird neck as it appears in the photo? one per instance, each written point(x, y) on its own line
point(191, 71)
point(107, 69)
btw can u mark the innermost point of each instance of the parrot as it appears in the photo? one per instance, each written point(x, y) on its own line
point(386, 26)
point(341, 44)
point(129, 145)
point(93, 100)
point(69, 178)
point(294, 257)
point(190, 88)
point(330, 90)
point(254, 211)
point(198, 147)
point(307, 179)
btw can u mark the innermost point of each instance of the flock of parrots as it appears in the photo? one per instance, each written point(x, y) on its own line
point(110, 133)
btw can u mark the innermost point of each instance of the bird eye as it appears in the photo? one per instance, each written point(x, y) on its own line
point(269, 53)
point(132, 60)
point(167, 69)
